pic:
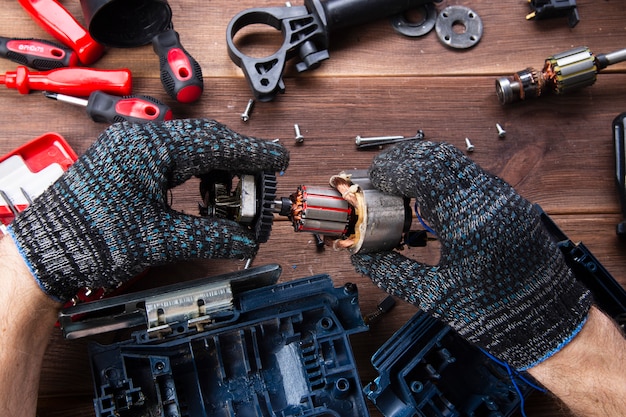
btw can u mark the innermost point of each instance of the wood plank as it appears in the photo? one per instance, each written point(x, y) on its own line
point(558, 151)
point(509, 43)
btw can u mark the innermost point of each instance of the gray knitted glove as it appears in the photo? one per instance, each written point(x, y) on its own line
point(107, 218)
point(501, 282)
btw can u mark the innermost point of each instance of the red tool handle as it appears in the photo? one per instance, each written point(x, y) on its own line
point(37, 53)
point(181, 75)
point(103, 107)
point(76, 81)
point(57, 21)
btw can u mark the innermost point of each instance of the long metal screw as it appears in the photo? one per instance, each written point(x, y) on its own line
point(245, 116)
point(468, 145)
point(299, 137)
point(362, 142)
point(501, 131)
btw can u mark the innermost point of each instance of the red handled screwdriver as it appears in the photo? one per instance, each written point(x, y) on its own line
point(181, 75)
point(105, 108)
point(57, 21)
point(75, 81)
point(37, 53)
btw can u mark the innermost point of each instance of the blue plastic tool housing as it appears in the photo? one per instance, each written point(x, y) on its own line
point(427, 370)
point(286, 354)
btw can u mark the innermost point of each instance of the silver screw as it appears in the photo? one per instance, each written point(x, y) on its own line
point(468, 145)
point(299, 137)
point(362, 142)
point(245, 116)
point(501, 131)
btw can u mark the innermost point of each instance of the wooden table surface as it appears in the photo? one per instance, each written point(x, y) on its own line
point(558, 151)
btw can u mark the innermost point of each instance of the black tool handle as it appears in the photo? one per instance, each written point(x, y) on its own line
point(181, 74)
point(37, 53)
point(105, 108)
point(343, 13)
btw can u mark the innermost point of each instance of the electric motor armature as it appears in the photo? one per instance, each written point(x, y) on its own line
point(351, 214)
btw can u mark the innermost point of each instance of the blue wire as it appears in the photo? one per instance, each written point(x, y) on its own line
point(424, 225)
point(512, 376)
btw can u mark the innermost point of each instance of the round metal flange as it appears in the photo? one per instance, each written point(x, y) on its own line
point(402, 25)
point(453, 18)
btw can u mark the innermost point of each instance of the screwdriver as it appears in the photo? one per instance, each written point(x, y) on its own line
point(58, 22)
point(181, 75)
point(37, 53)
point(105, 108)
point(75, 81)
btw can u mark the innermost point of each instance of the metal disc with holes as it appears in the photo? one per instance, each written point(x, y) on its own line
point(406, 27)
point(459, 27)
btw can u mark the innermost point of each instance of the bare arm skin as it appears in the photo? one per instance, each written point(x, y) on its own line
point(27, 317)
point(589, 374)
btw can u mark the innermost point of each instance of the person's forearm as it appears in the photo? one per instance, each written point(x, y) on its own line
point(27, 317)
point(589, 374)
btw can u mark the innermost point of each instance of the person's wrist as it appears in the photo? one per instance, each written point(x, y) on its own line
point(19, 281)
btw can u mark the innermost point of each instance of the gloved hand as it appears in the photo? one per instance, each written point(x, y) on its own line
point(107, 218)
point(501, 282)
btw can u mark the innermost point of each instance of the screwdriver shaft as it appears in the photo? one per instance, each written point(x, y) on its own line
point(106, 108)
point(66, 99)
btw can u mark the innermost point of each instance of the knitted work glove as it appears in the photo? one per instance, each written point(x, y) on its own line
point(501, 282)
point(107, 218)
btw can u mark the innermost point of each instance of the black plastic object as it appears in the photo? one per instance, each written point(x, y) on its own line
point(306, 31)
point(284, 351)
point(619, 142)
point(547, 9)
point(427, 370)
point(126, 23)
point(608, 294)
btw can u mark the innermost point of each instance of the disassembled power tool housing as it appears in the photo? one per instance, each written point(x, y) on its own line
point(227, 346)
point(306, 34)
point(242, 345)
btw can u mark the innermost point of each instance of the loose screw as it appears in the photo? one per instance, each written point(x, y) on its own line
point(245, 116)
point(501, 131)
point(299, 137)
point(362, 142)
point(468, 145)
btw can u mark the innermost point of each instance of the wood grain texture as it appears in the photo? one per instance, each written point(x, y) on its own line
point(558, 151)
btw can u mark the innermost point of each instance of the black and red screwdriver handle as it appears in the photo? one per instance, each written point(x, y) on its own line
point(37, 53)
point(105, 108)
point(181, 74)
point(58, 22)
